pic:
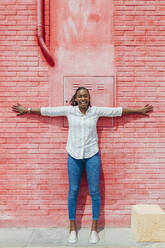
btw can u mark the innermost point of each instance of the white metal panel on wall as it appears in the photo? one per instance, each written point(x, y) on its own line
point(101, 89)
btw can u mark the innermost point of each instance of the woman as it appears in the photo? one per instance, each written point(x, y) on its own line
point(82, 148)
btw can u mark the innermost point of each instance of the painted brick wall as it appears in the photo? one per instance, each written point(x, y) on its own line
point(33, 174)
point(139, 147)
point(23, 79)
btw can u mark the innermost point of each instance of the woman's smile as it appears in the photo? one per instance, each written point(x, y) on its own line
point(84, 103)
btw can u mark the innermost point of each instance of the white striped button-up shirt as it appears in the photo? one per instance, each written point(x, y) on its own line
point(82, 138)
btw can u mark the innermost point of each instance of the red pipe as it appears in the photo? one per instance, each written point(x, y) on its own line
point(40, 32)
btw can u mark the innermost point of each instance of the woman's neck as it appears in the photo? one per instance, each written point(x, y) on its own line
point(83, 110)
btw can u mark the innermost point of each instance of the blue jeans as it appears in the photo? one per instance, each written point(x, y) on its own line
point(92, 167)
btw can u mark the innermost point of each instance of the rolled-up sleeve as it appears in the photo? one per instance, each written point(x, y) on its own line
point(108, 111)
point(54, 111)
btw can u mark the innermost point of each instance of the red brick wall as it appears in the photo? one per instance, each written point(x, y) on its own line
point(33, 174)
point(139, 45)
point(23, 79)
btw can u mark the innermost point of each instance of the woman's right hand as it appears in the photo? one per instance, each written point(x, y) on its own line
point(20, 109)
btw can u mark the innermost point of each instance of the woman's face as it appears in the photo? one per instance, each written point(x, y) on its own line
point(82, 98)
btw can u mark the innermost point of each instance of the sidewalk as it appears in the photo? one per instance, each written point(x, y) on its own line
point(57, 237)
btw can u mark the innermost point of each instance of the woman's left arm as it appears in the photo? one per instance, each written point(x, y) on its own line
point(143, 111)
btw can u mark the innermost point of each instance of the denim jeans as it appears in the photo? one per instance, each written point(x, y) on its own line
point(92, 167)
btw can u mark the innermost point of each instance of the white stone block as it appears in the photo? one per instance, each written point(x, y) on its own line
point(148, 223)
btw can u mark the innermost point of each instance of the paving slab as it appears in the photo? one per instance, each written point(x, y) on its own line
point(57, 237)
point(15, 237)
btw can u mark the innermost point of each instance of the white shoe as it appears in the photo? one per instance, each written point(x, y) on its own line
point(94, 237)
point(72, 237)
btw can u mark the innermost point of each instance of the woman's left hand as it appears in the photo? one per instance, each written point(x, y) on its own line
point(147, 108)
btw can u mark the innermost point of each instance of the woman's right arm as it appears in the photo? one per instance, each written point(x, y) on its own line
point(45, 111)
point(22, 110)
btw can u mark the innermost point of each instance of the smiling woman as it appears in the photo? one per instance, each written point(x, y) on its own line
point(82, 148)
point(81, 98)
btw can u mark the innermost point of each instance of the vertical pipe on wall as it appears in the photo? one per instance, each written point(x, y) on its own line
point(40, 32)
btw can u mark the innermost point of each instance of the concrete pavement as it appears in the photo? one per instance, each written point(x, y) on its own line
point(57, 237)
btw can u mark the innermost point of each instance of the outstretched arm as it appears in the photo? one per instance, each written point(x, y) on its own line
point(22, 110)
point(143, 111)
point(45, 111)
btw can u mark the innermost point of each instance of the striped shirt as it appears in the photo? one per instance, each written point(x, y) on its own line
point(82, 137)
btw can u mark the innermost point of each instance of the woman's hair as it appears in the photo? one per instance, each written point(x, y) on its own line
point(73, 101)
